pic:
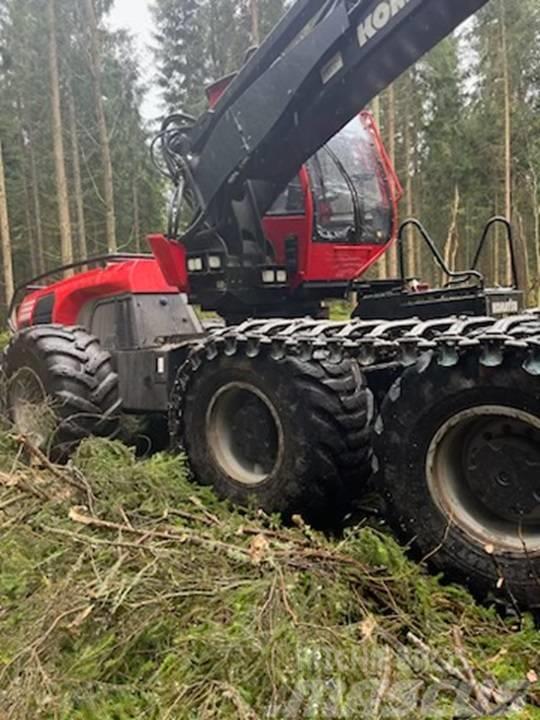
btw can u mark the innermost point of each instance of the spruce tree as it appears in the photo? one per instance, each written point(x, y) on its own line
point(181, 54)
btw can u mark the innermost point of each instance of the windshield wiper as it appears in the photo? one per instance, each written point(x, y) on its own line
point(357, 210)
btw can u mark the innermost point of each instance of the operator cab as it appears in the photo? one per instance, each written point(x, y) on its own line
point(352, 198)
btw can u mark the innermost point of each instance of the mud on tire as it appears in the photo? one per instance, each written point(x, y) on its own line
point(61, 387)
point(459, 451)
point(282, 435)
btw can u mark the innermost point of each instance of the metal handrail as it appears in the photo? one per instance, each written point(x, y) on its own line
point(455, 277)
point(499, 220)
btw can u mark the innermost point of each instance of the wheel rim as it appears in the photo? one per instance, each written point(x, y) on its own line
point(483, 472)
point(30, 409)
point(244, 433)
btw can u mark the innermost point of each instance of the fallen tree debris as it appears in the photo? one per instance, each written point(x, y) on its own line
point(158, 601)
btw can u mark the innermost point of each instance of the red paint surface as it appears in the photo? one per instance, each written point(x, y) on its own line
point(72, 294)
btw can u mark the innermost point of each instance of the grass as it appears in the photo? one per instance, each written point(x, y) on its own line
point(127, 592)
point(340, 310)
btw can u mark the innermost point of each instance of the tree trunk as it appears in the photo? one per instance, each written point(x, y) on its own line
point(536, 300)
point(452, 241)
point(7, 261)
point(26, 192)
point(391, 255)
point(96, 72)
point(29, 229)
point(136, 216)
point(535, 204)
point(40, 244)
point(66, 245)
point(497, 258)
point(496, 248)
point(522, 260)
point(507, 137)
point(254, 15)
point(214, 30)
point(380, 268)
point(376, 110)
point(415, 195)
point(410, 240)
point(36, 241)
point(76, 159)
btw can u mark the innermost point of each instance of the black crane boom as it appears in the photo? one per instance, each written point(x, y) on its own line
point(322, 64)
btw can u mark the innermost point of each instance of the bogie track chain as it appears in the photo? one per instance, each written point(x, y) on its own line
point(370, 343)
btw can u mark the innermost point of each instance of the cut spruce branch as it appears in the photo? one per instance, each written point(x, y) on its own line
point(160, 597)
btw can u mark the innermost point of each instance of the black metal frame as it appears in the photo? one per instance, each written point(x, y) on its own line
point(30, 285)
point(456, 278)
point(464, 294)
point(498, 220)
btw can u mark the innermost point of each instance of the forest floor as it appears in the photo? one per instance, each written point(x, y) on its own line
point(128, 592)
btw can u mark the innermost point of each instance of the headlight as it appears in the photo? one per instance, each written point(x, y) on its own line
point(281, 276)
point(195, 264)
point(214, 262)
point(268, 276)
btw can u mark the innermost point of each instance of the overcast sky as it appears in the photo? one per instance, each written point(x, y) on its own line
point(134, 15)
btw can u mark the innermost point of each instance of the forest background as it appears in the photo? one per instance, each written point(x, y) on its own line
point(462, 126)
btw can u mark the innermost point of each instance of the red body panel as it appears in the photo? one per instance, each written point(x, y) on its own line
point(278, 228)
point(341, 262)
point(72, 294)
point(216, 90)
point(318, 262)
point(171, 258)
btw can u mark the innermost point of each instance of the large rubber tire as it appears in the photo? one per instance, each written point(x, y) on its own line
point(308, 423)
point(459, 452)
point(74, 378)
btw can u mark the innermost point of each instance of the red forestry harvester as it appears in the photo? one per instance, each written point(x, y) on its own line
point(284, 197)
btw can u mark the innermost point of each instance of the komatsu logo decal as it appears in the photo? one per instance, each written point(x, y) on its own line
point(379, 19)
point(504, 307)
